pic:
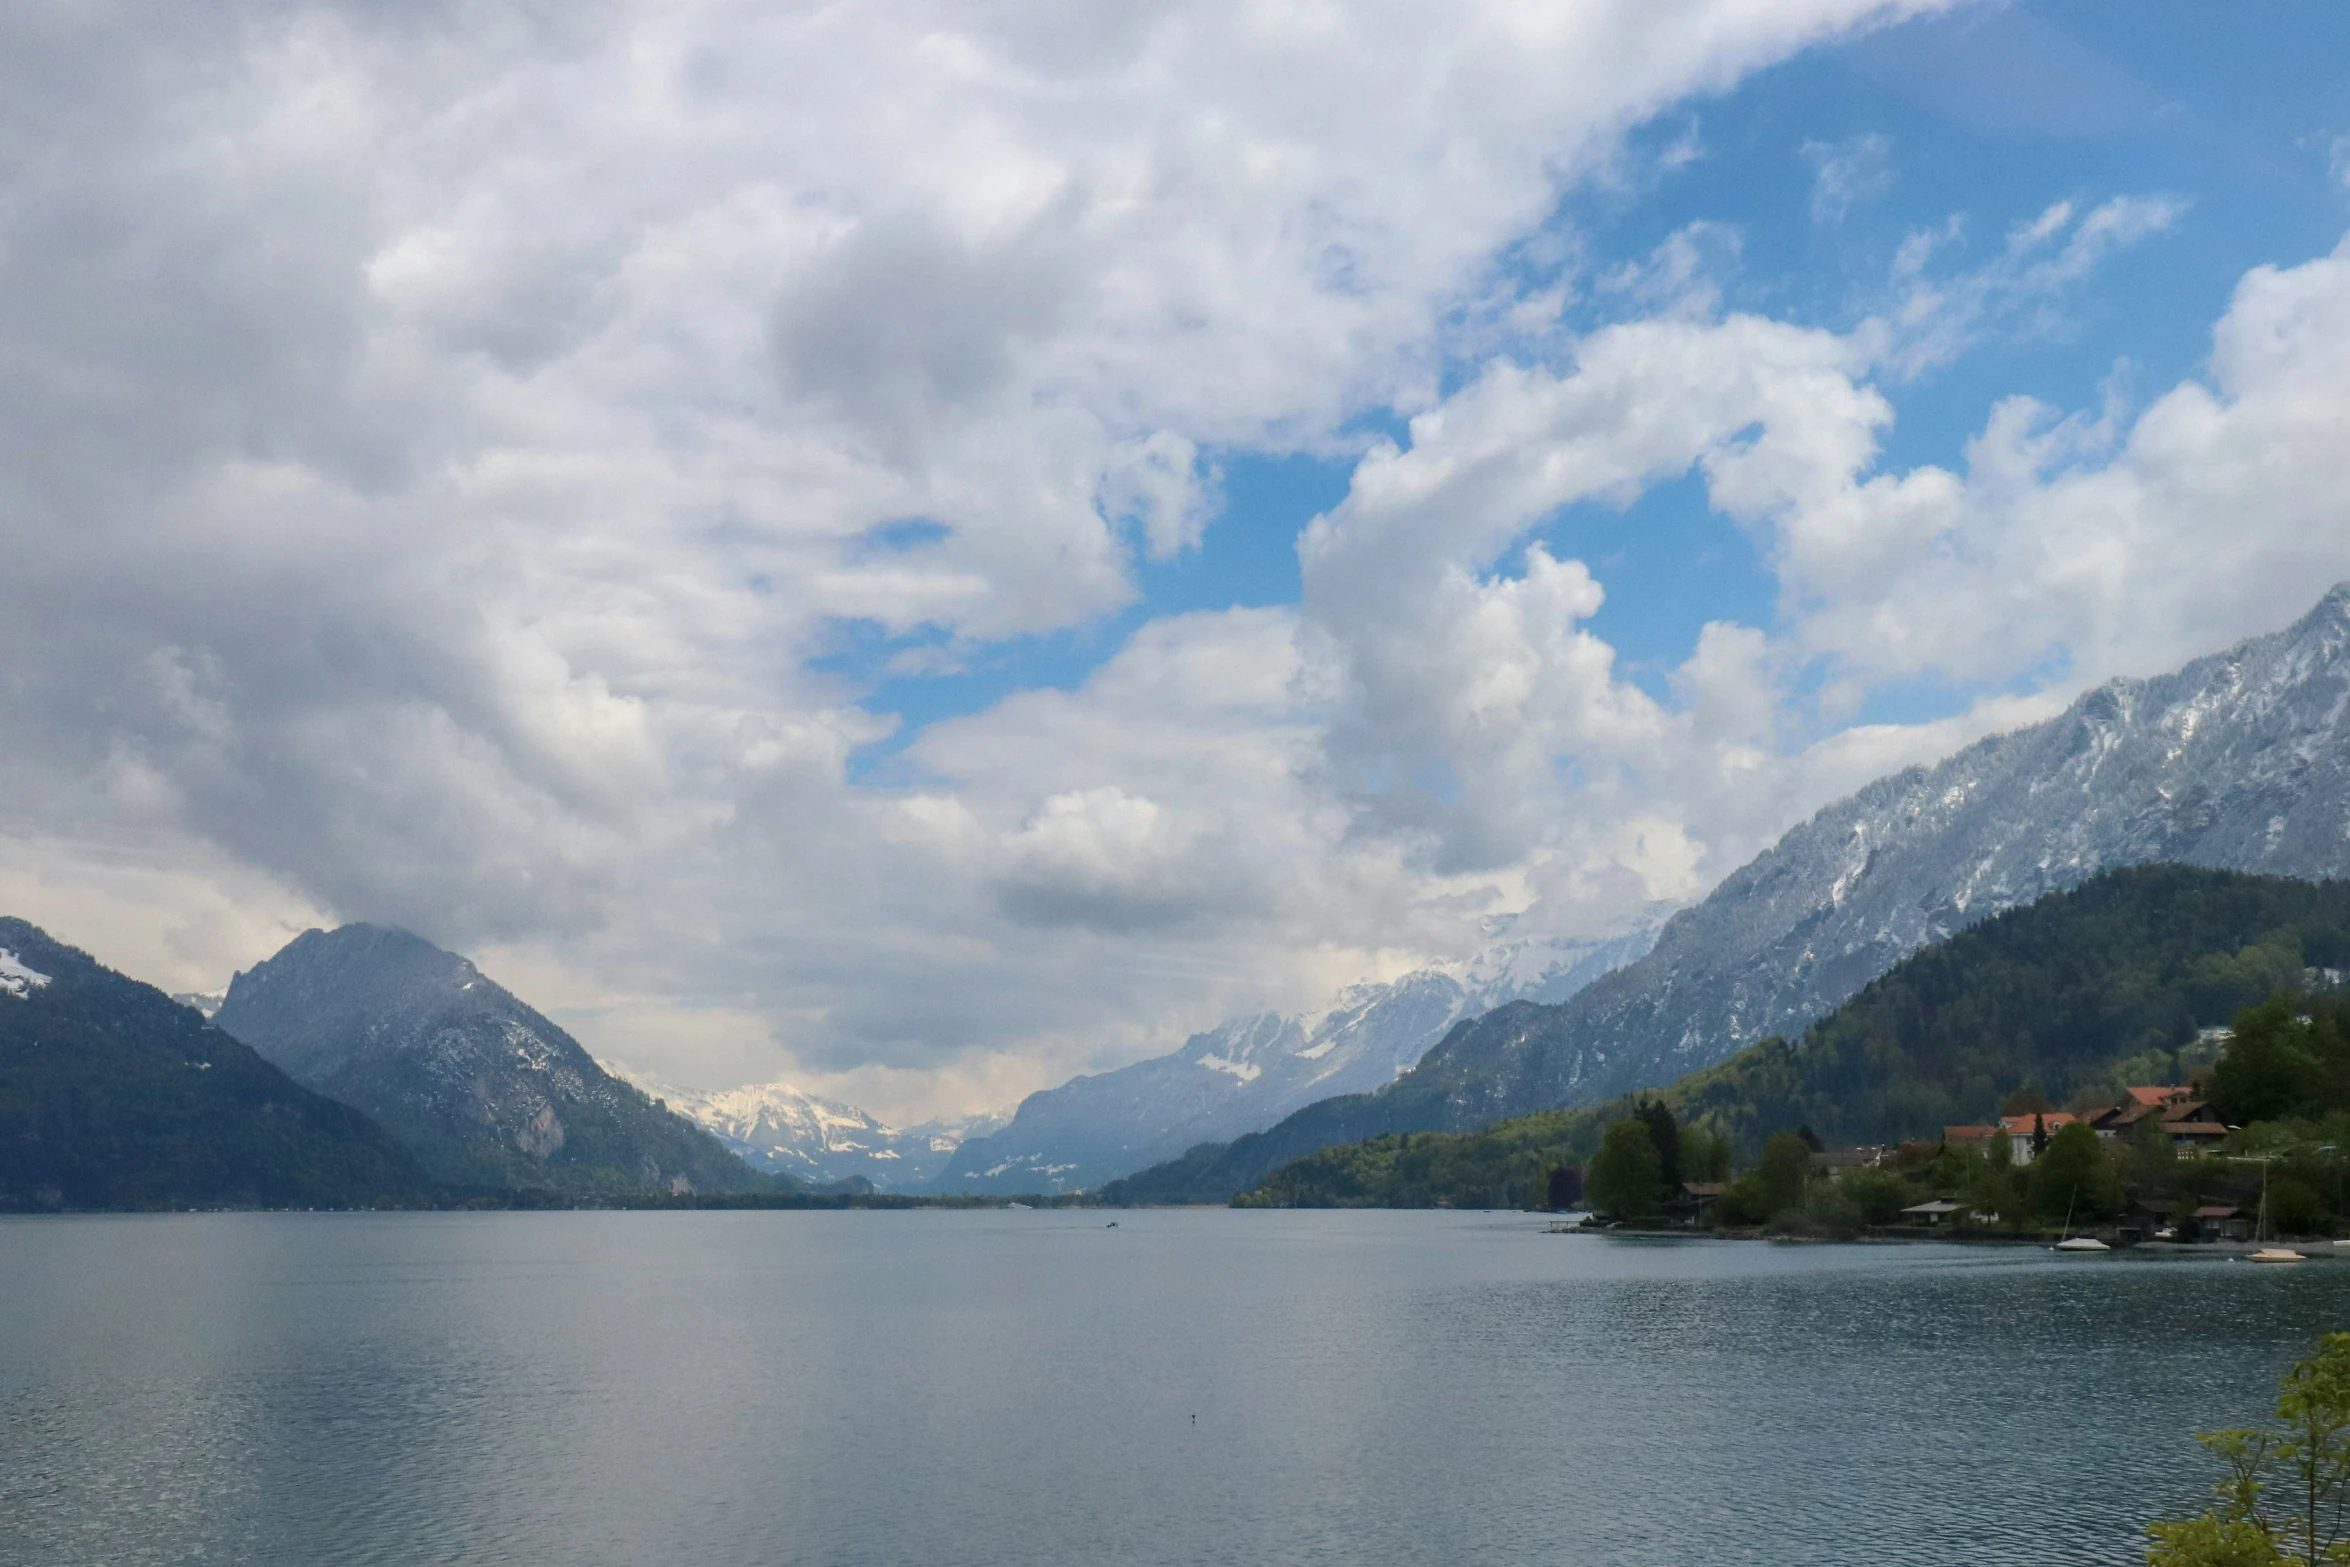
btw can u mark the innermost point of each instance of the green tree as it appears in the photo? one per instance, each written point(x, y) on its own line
point(2287, 1486)
point(2072, 1176)
point(1784, 1171)
point(1880, 1195)
point(1665, 1133)
point(1831, 1210)
point(1626, 1179)
point(1704, 1157)
point(2293, 1207)
point(2270, 1069)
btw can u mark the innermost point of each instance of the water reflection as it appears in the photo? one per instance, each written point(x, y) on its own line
point(1033, 1388)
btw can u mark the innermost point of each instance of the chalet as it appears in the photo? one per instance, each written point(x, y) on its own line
point(2185, 1117)
point(2221, 1221)
point(1935, 1212)
point(1968, 1136)
point(2119, 1121)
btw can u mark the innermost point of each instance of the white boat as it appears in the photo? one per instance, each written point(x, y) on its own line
point(2082, 1243)
point(2276, 1254)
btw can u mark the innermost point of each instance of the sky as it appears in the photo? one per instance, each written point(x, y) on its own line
point(921, 549)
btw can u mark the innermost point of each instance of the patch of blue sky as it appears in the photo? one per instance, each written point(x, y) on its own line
point(1989, 115)
point(1667, 564)
point(1246, 559)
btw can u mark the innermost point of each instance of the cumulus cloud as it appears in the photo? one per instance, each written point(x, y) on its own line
point(443, 441)
point(1485, 726)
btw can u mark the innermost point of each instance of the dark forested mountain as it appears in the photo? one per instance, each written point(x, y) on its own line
point(113, 1095)
point(2240, 761)
point(480, 1088)
point(2083, 992)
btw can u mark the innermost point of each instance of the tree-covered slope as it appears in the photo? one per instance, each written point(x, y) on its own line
point(479, 1087)
point(2092, 989)
point(112, 1095)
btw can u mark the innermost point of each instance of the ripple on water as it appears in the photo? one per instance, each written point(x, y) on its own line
point(1030, 1388)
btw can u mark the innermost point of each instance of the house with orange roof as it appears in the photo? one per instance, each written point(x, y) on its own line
point(2185, 1116)
point(2028, 1134)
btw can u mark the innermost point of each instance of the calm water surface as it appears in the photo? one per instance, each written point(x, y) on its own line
point(1032, 1388)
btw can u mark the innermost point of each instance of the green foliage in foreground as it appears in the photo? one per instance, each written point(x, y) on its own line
point(2287, 1484)
point(2073, 997)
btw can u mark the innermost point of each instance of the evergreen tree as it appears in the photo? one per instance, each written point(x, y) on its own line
point(1784, 1171)
point(1627, 1178)
point(1665, 1133)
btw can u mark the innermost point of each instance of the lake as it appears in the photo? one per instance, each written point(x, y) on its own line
point(1038, 1387)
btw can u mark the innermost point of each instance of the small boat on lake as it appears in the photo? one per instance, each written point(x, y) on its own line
point(2276, 1254)
point(2068, 1241)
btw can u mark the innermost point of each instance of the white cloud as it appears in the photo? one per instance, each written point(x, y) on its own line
point(2027, 290)
point(1847, 173)
point(442, 441)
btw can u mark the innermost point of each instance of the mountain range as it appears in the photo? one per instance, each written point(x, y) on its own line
point(112, 1095)
point(2131, 978)
point(777, 1128)
point(1252, 1071)
point(2239, 761)
point(480, 1088)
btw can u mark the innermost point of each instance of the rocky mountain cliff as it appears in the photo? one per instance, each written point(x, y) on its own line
point(1252, 1071)
point(2240, 761)
point(114, 1096)
point(777, 1128)
point(480, 1088)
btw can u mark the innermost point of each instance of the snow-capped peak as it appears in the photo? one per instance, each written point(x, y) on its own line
point(781, 1128)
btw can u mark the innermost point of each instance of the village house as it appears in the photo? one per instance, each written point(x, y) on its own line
point(2185, 1116)
point(2028, 1134)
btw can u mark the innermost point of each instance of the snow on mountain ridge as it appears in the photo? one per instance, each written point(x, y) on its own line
point(1249, 1072)
point(16, 978)
point(2238, 761)
point(779, 1128)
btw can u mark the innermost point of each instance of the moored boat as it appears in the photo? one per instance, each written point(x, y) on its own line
point(2276, 1254)
point(2081, 1243)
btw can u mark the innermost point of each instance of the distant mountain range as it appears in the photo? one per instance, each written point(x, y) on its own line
point(480, 1088)
point(203, 1002)
point(2240, 761)
point(779, 1129)
point(1250, 1072)
point(114, 1096)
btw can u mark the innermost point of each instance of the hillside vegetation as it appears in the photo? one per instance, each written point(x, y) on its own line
point(112, 1095)
point(2077, 995)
